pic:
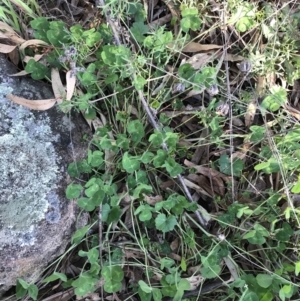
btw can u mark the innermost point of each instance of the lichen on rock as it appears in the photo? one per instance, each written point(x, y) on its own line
point(36, 219)
point(29, 168)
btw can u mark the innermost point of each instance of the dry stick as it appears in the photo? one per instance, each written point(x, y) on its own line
point(149, 112)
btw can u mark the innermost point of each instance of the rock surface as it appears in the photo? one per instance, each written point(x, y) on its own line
point(36, 220)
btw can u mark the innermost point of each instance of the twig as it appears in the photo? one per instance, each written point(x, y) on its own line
point(151, 116)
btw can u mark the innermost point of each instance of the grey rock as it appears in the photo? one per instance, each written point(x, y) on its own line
point(36, 220)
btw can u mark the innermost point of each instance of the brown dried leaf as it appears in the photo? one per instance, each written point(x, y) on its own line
point(233, 58)
point(175, 256)
point(250, 113)
point(206, 171)
point(14, 56)
point(195, 47)
point(21, 73)
point(6, 32)
point(71, 82)
point(201, 180)
point(39, 105)
point(34, 42)
point(57, 86)
point(152, 200)
point(218, 186)
point(6, 28)
point(195, 281)
point(196, 187)
point(133, 254)
point(175, 244)
point(6, 48)
point(199, 60)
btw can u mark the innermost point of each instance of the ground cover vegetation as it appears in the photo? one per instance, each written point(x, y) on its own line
point(192, 175)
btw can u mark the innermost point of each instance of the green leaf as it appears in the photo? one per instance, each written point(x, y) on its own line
point(76, 31)
point(285, 233)
point(142, 188)
point(79, 234)
point(130, 163)
point(190, 19)
point(105, 143)
point(33, 291)
point(184, 285)
point(264, 280)
point(286, 291)
point(20, 289)
point(145, 212)
point(86, 204)
point(172, 167)
point(171, 140)
point(114, 214)
point(156, 139)
point(147, 157)
point(58, 34)
point(266, 296)
point(145, 287)
point(73, 191)
point(115, 55)
point(224, 164)
point(144, 296)
point(136, 129)
point(41, 26)
point(191, 22)
point(95, 159)
point(156, 293)
point(178, 296)
point(123, 142)
point(210, 272)
point(23, 283)
point(73, 170)
point(297, 268)
point(139, 82)
point(138, 30)
point(113, 276)
point(296, 187)
point(105, 212)
point(275, 100)
point(165, 224)
point(90, 113)
point(249, 296)
point(91, 37)
point(254, 237)
point(84, 284)
point(268, 167)
point(244, 24)
point(261, 229)
point(36, 69)
point(55, 276)
point(93, 255)
point(258, 133)
point(160, 158)
point(92, 190)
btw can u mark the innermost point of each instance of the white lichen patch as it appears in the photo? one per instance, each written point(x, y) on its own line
point(29, 168)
